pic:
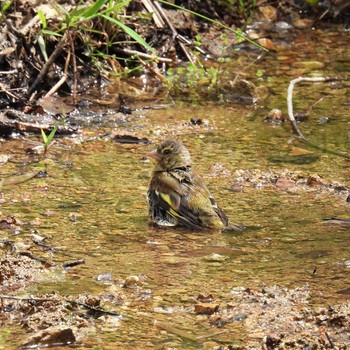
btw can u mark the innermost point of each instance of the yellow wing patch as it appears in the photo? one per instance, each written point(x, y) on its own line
point(171, 209)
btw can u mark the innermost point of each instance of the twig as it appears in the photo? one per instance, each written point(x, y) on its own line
point(56, 86)
point(27, 27)
point(314, 104)
point(63, 79)
point(48, 64)
point(75, 71)
point(73, 263)
point(145, 55)
point(12, 297)
point(330, 340)
point(13, 71)
point(31, 256)
point(73, 302)
point(8, 123)
point(44, 246)
point(10, 94)
point(152, 70)
point(175, 33)
point(94, 309)
point(157, 18)
point(290, 101)
point(291, 115)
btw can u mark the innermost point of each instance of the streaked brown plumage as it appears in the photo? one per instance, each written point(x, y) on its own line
point(177, 195)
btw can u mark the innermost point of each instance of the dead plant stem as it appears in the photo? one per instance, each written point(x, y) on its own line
point(292, 118)
point(48, 64)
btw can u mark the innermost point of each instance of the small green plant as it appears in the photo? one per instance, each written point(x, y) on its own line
point(194, 78)
point(4, 7)
point(247, 9)
point(198, 40)
point(242, 5)
point(42, 32)
point(98, 19)
point(48, 138)
point(260, 75)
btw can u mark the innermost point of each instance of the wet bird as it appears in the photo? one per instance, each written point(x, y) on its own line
point(177, 196)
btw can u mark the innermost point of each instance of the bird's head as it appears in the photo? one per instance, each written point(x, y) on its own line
point(171, 155)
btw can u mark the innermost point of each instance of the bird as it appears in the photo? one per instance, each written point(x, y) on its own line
point(177, 195)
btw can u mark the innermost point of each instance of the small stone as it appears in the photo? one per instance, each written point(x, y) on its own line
point(272, 340)
point(196, 121)
point(206, 308)
point(104, 277)
point(205, 297)
point(323, 120)
point(4, 158)
point(266, 43)
point(302, 23)
point(281, 25)
point(132, 281)
point(275, 116)
point(268, 12)
point(50, 337)
point(215, 258)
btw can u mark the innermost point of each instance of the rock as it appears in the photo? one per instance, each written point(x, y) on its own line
point(275, 116)
point(205, 297)
point(268, 12)
point(132, 282)
point(4, 158)
point(302, 23)
point(206, 308)
point(266, 43)
point(49, 337)
point(104, 277)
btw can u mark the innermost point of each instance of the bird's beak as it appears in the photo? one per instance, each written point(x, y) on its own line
point(153, 154)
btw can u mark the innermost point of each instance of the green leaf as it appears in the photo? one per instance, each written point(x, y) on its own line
point(129, 31)
point(44, 136)
point(42, 18)
point(42, 46)
point(112, 9)
point(51, 135)
point(92, 10)
point(5, 6)
point(50, 32)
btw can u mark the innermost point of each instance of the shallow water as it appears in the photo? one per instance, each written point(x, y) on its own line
point(92, 206)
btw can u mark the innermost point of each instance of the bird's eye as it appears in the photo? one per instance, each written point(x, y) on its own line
point(166, 151)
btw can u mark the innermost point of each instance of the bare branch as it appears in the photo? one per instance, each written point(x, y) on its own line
point(290, 101)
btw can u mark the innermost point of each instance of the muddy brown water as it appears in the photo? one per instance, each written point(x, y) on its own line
point(103, 185)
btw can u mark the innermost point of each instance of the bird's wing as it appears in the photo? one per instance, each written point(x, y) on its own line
point(175, 208)
point(183, 197)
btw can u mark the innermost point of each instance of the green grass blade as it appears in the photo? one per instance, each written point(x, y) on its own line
point(5, 6)
point(42, 46)
point(129, 31)
point(42, 18)
point(92, 10)
point(112, 9)
point(44, 136)
point(50, 32)
point(240, 35)
point(51, 135)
